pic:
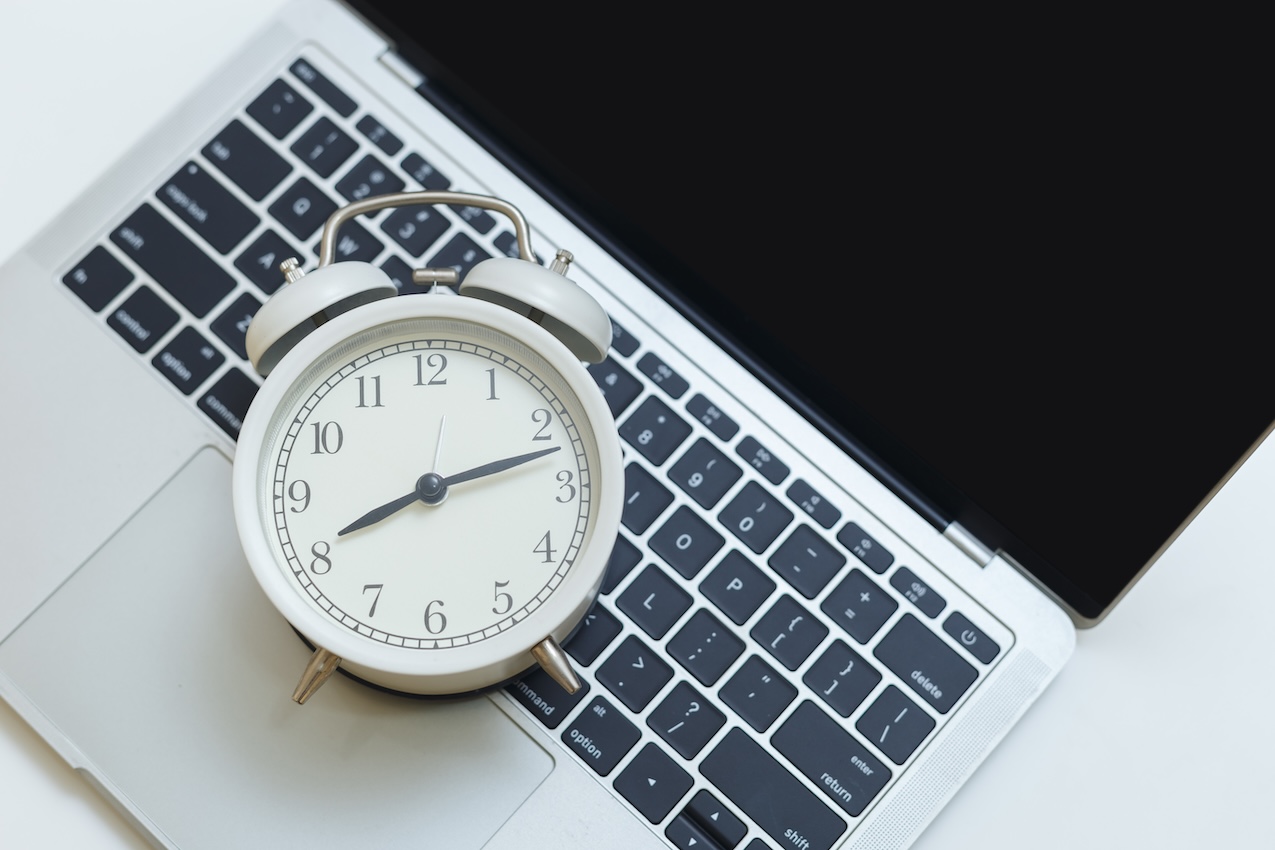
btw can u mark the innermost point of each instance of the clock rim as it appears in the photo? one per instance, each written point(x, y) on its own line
point(451, 670)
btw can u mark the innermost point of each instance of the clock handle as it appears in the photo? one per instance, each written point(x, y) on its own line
point(320, 668)
point(554, 662)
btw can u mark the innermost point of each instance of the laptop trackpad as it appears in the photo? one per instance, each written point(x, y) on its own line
point(164, 663)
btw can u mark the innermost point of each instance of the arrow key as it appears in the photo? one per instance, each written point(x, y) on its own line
point(653, 783)
point(686, 834)
point(719, 822)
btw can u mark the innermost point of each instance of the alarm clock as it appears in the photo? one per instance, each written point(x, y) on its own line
point(428, 488)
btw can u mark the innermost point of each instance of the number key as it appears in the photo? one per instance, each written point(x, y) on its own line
point(755, 516)
point(704, 473)
point(655, 430)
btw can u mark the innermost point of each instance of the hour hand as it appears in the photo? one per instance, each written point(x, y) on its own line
point(378, 514)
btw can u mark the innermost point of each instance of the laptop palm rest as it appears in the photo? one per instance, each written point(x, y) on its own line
point(161, 654)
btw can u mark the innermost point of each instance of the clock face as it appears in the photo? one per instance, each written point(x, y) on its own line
point(428, 484)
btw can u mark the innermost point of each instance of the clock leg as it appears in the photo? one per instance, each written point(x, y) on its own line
point(322, 665)
point(554, 662)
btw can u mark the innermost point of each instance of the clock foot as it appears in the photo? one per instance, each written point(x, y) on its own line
point(322, 665)
point(554, 662)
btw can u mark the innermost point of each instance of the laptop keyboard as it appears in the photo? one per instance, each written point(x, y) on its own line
point(760, 667)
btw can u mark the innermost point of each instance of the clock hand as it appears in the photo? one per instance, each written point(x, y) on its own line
point(431, 488)
point(495, 466)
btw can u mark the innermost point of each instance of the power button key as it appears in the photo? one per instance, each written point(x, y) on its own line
point(971, 637)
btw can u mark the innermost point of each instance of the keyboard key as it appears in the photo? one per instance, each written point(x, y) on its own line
point(601, 736)
point(476, 217)
point(705, 647)
point(461, 253)
point(324, 88)
point(598, 628)
point(654, 601)
point(425, 173)
point(654, 430)
point(142, 319)
point(719, 821)
point(621, 340)
point(653, 783)
point(685, 834)
point(249, 162)
point(841, 678)
point(644, 499)
point(767, 792)
point(819, 508)
point(895, 724)
point(416, 228)
point(400, 274)
point(704, 473)
point(859, 606)
point(98, 278)
point(865, 548)
point(367, 178)
point(711, 417)
point(686, 720)
point(208, 207)
point(917, 592)
point(260, 261)
point(662, 375)
point(927, 664)
point(172, 260)
point(624, 557)
point(507, 244)
point(634, 673)
point(228, 400)
point(831, 758)
point(686, 542)
point(619, 388)
point(760, 459)
point(379, 135)
point(232, 325)
point(188, 360)
point(757, 693)
point(303, 208)
point(807, 561)
point(971, 637)
point(789, 633)
point(737, 587)
point(279, 109)
point(545, 698)
point(354, 242)
point(324, 147)
point(755, 516)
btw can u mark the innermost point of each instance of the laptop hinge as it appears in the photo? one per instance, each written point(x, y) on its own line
point(968, 544)
point(399, 67)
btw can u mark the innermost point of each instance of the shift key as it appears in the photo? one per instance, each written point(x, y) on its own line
point(769, 794)
point(172, 260)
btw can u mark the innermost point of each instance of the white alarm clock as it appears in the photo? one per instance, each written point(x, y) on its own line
point(428, 488)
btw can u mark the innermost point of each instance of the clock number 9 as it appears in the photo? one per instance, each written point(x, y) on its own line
point(303, 496)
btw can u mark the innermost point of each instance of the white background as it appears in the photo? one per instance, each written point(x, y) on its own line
point(1157, 734)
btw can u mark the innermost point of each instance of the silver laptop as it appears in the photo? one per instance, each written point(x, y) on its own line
point(950, 487)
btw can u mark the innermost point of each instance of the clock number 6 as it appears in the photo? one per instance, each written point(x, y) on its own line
point(435, 621)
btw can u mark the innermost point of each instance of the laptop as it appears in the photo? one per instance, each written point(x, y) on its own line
point(961, 450)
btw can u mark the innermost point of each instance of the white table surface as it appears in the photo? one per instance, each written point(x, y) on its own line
point(1155, 735)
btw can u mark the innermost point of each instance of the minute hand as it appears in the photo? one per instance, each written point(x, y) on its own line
point(496, 466)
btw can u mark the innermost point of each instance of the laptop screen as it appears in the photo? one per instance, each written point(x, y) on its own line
point(958, 283)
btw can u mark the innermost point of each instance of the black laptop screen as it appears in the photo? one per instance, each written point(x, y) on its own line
point(950, 279)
